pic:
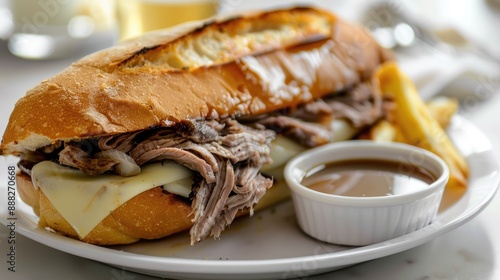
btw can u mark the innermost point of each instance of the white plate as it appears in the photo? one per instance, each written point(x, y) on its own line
point(270, 245)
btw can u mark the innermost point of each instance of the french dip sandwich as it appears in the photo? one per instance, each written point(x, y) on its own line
point(189, 127)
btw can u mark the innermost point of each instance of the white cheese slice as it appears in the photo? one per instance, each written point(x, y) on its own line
point(282, 150)
point(343, 130)
point(84, 200)
point(180, 187)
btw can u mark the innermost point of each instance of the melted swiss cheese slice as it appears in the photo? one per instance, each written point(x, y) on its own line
point(85, 200)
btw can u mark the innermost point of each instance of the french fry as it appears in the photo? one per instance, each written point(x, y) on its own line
point(416, 124)
point(384, 131)
point(442, 109)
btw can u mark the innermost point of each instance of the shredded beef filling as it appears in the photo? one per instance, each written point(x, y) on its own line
point(309, 124)
point(75, 157)
point(215, 153)
point(227, 154)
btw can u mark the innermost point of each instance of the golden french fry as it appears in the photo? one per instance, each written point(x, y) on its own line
point(417, 125)
point(442, 109)
point(382, 131)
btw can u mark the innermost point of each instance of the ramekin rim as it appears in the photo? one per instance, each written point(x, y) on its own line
point(399, 199)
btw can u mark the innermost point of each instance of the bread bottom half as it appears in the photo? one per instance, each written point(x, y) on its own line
point(152, 214)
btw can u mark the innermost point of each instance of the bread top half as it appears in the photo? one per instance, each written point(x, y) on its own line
point(243, 65)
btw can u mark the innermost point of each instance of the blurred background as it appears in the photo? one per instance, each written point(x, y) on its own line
point(44, 29)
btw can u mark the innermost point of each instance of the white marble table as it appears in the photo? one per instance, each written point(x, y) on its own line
point(468, 252)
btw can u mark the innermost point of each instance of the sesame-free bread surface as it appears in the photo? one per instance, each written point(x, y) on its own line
point(250, 64)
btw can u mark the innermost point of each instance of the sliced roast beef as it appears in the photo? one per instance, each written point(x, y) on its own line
point(361, 105)
point(180, 156)
point(307, 134)
point(206, 219)
point(199, 132)
point(76, 157)
point(123, 142)
point(314, 111)
point(229, 163)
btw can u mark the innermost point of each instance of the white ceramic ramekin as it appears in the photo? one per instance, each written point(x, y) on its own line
point(358, 221)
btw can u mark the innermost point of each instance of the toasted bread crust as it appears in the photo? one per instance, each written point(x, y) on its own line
point(165, 76)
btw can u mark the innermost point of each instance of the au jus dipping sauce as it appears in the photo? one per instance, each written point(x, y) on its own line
point(367, 178)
